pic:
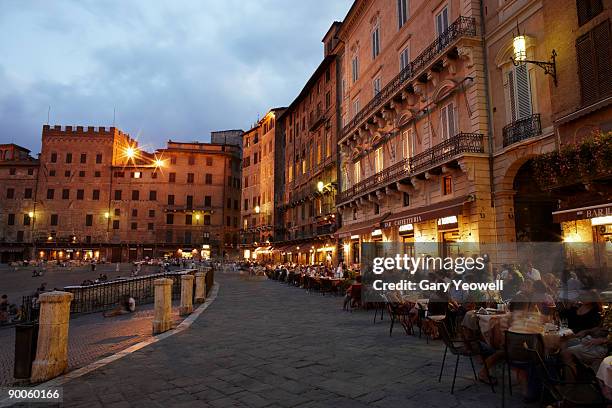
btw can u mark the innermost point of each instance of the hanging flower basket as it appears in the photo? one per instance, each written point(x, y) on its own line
point(575, 163)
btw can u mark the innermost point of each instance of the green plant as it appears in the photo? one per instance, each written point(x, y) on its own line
point(574, 163)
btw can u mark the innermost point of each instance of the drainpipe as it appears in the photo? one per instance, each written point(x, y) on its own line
point(489, 118)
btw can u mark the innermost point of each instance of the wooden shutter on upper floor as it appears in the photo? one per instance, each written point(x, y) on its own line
point(593, 53)
point(587, 9)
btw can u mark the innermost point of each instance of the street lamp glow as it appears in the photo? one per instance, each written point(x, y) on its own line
point(197, 217)
point(520, 48)
point(130, 152)
point(107, 215)
point(31, 214)
point(320, 186)
point(257, 209)
point(159, 163)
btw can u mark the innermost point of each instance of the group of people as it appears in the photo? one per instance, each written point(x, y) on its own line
point(313, 270)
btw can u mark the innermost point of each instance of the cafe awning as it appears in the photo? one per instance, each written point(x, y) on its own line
point(361, 227)
point(583, 213)
point(438, 210)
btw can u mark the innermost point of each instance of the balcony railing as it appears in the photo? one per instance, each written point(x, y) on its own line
point(316, 118)
point(439, 154)
point(463, 26)
point(522, 129)
point(326, 229)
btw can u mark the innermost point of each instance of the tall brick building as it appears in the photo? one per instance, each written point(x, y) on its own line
point(536, 113)
point(308, 158)
point(260, 186)
point(414, 143)
point(96, 194)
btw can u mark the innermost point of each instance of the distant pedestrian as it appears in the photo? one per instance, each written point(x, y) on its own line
point(4, 305)
point(117, 268)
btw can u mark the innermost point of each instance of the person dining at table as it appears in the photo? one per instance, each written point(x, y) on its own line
point(541, 298)
point(523, 318)
point(590, 346)
point(584, 314)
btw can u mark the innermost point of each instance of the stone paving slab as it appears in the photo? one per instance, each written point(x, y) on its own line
point(265, 344)
point(91, 337)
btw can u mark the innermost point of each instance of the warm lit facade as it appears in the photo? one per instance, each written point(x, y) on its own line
point(532, 115)
point(259, 186)
point(414, 144)
point(98, 195)
point(309, 164)
point(18, 177)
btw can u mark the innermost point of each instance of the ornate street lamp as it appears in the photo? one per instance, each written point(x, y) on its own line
point(519, 56)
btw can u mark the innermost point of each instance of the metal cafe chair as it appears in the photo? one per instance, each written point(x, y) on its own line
point(567, 393)
point(516, 355)
point(460, 347)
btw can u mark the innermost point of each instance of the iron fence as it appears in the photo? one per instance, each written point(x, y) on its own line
point(107, 295)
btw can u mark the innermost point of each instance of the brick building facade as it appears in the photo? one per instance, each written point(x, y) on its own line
point(414, 143)
point(96, 194)
point(260, 186)
point(309, 156)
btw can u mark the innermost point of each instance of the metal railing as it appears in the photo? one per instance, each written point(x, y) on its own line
point(522, 129)
point(459, 144)
point(463, 26)
point(316, 118)
point(107, 295)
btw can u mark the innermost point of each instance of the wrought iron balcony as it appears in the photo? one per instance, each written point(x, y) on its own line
point(316, 118)
point(439, 154)
point(462, 27)
point(326, 229)
point(522, 129)
point(188, 208)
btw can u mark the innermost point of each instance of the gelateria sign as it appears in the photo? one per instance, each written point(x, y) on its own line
point(583, 213)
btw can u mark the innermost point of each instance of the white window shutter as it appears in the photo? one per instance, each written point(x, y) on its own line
point(451, 120)
point(523, 92)
point(511, 95)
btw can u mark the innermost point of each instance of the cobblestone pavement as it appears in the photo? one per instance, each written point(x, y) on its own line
point(91, 337)
point(265, 344)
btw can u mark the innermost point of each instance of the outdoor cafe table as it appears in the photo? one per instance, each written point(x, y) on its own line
point(492, 327)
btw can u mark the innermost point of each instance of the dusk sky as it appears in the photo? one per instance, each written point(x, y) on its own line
point(172, 70)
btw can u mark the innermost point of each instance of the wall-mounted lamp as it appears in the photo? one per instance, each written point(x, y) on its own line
point(519, 56)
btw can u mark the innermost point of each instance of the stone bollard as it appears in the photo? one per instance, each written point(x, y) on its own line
point(163, 305)
point(52, 350)
point(186, 294)
point(200, 291)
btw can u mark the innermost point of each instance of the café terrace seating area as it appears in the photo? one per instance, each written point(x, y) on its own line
point(543, 339)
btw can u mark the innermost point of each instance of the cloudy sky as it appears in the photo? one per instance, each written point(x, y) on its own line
point(171, 69)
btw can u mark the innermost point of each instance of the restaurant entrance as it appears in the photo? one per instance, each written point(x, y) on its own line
point(533, 208)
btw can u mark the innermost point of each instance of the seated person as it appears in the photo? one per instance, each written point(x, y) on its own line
point(351, 292)
point(523, 319)
point(541, 298)
point(590, 346)
point(583, 315)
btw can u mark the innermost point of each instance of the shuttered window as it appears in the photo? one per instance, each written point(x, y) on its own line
point(408, 147)
point(447, 119)
point(593, 53)
point(519, 93)
point(357, 172)
point(442, 21)
point(402, 12)
point(587, 9)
